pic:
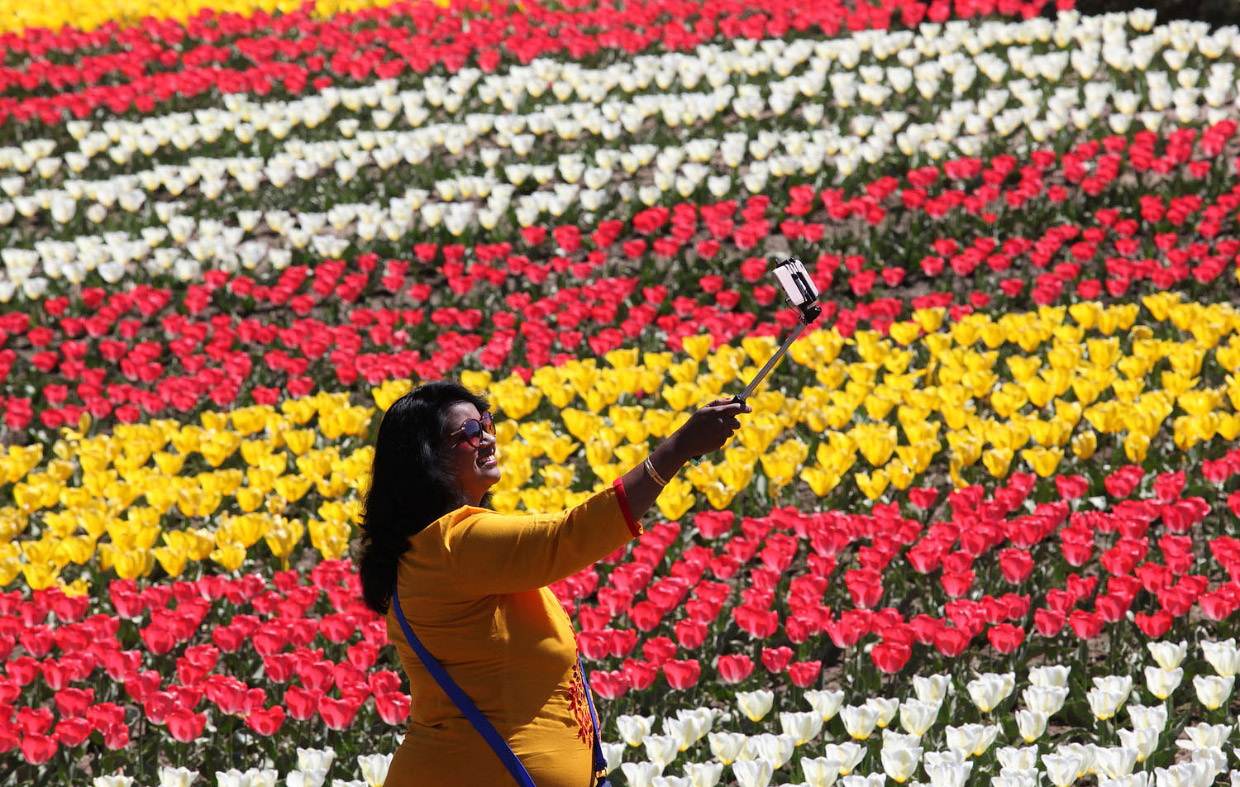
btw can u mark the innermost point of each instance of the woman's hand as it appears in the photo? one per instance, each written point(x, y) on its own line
point(709, 428)
point(705, 431)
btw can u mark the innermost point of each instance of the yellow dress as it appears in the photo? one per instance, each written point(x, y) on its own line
point(473, 588)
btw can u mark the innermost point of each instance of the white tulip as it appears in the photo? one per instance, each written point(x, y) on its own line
point(848, 754)
point(312, 778)
point(1104, 704)
point(820, 771)
point(116, 780)
point(973, 739)
point(752, 773)
point(661, 748)
point(374, 768)
point(932, 688)
point(727, 746)
point(776, 749)
point(1031, 724)
point(1223, 656)
point(612, 753)
point(1204, 736)
point(988, 690)
point(1116, 762)
point(917, 717)
point(633, 729)
point(1213, 690)
point(1062, 769)
point(859, 720)
point(946, 773)
point(804, 727)
point(176, 777)
point(703, 774)
point(900, 763)
point(641, 774)
point(1162, 683)
point(1045, 699)
point(1017, 759)
point(1144, 741)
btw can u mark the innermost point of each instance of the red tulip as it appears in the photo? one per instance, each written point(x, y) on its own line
point(72, 732)
point(337, 714)
point(682, 674)
point(38, 749)
point(776, 659)
point(951, 641)
point(804, 674)
point(265, 722)
point(658, 650)
point(301, 703)
point(609, 685)
point(734, 668)
point(33, 721)
point(1086, 625)
point(640, 674)
point(1015, 564)
point(393, 706)
point(691, 633)
point(890, 658)
point(758, 623)
point(73, 701)
point(1005, 637)
point(1155, 625)
point(185, 726)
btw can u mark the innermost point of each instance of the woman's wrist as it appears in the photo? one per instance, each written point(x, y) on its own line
point(668, 458)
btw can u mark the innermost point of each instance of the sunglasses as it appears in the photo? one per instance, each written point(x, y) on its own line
point(473, 428)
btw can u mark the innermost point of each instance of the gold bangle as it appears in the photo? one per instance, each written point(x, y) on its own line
point(654, 475)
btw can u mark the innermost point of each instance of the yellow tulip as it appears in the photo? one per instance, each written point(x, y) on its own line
point(281, 536)
point(230, 555)
point(900, 474)
point(1229, 425)
point(132, 563)
point(698, 347)
point(876, 442)
point(1084, 445)
point(172, 560)
point(905, 333)
point(39, 576)
point(820, 481)
point(997, 461)
point(1229, 357)
point(930, 320)
point(1043, 460)
point(676, 499)
point(1135, 447)
point(719, 495)
point(1008, 399)
point(1023, 369)
point(680, 396)
point(872, 485)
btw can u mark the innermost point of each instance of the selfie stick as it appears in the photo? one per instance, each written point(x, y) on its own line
point(799, 292)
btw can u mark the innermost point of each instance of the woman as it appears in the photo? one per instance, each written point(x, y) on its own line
point(472, 584)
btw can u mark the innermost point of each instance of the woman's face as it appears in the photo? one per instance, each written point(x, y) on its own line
point(475, 467)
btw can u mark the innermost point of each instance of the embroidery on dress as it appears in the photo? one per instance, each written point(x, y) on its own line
point(580, 707)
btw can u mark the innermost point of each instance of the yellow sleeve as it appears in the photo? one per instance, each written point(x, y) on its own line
point(492, 553)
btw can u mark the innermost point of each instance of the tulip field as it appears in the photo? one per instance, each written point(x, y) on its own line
point(981, 527)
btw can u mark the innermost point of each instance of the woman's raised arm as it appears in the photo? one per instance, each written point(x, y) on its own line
point(705, 431)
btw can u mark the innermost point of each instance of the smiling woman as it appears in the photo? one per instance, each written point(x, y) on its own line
point(471, 585)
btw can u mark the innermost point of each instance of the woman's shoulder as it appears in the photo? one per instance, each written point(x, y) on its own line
point(443, 526)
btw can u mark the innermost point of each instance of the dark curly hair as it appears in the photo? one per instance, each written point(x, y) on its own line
point(410, 484)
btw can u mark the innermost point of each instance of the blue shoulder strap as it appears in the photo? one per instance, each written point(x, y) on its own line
point(489, 733)
point(600, 761)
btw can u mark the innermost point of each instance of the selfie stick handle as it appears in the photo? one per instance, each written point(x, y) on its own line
point(808, 315)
